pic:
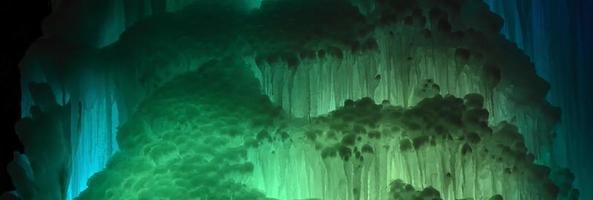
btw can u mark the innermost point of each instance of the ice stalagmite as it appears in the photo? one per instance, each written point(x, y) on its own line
point(43, 171)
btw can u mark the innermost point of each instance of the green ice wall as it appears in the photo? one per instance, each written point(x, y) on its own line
point(308, 59)
point(210, 134)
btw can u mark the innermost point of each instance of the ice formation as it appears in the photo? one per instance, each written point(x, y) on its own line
point(276, 99)
point(202, 136)
point(563, 58)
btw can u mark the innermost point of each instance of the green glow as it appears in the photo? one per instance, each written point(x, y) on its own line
point(202, 136)
point(254, 4)
point(219, 103)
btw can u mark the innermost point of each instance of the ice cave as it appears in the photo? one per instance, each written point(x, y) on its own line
point(307, 99)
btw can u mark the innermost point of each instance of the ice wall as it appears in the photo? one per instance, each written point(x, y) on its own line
point(93, 113)
point(457, 46)
point(363, 146)
point(172, 146)
point(100, 92)
point(42, 171)
point(557, 37)
point(106, 63)
point(210, 134)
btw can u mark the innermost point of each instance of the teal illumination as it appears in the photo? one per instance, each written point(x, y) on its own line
point(302, 99)
point(254, 4)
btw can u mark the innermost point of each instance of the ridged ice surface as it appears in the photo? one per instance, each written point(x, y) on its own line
point(202, 136)
point(307, 58)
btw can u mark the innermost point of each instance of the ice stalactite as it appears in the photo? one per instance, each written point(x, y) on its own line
point(91, 98)
point(96, 143)
point(457, 47)
point(209, 134)
point(171, 149)
point(443, 142)
point(563, 59)
point(397, 51)
point(98, 95)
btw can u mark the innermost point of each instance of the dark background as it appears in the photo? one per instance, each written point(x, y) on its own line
point(20, 25)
